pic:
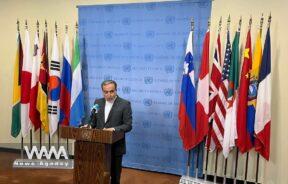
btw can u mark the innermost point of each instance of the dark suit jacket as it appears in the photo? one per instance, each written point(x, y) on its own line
point(120, 118)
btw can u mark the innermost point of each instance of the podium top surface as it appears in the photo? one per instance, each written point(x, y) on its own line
point(90, 135)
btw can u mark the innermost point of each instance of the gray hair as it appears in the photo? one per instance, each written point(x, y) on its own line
point(105, 82)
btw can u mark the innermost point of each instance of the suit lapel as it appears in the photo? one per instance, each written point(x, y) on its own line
point(101, 112)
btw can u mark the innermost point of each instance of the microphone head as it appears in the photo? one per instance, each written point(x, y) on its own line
point(95, 107)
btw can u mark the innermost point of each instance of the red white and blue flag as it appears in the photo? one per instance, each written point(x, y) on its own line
point(215, 81)
point(66, 83)
point(187, 107)
point(263, 107)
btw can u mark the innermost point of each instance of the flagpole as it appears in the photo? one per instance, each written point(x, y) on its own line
point(247, 154)
point(26, 27)
point(257, 162)
point(215, 169)
point(189, 152)
point(40, 127)
point(18, 30)
point(226, 159)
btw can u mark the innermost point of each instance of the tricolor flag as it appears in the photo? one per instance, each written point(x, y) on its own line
point(253, 87)
point(187, 107)
point(54, 88)
point(26, 86)
point(221, 102)
point(230, 132)
point(34, 114)
point(42, 100)
point(202, 104)
point(16, 109)
point(213, 93)
point(263, 108)
point(243, 141)
point(66, 82)
point(77, 98)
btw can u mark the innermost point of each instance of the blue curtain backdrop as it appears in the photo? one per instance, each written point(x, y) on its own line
point(142, 47)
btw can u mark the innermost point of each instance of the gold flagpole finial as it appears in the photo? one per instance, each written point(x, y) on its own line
point(240, 23)
point(26, 24)
point(192, 24)
point(56, 31)
point(37, 24)
point(220, 25)
point(66, 29)
point(46, 26)
point(228, 23)
point(269, 20)
point(209, 23)
point(76, 26)
point(18, 25)
point(261, 23)
point(250, 22)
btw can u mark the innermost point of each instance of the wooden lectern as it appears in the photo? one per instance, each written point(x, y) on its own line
point(92, 155)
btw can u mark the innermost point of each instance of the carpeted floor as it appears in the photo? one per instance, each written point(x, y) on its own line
point(39, 176)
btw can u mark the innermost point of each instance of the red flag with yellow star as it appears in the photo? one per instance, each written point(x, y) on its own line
point(243, 141)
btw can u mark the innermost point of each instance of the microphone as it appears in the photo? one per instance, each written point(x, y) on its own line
point(93, 115)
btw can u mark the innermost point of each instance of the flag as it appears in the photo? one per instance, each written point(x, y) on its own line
point(230, 132)
point(77, 98)
point(66, 82)
point(26, 86)
point(221, 102)
point(16, 109)
point(54, 86)
point(42, 100)
point(34, 114)
point(263, 108)
point(253, 87)
point(213, 92)
point(243, 141)
point(187, 105)
point(202, 104)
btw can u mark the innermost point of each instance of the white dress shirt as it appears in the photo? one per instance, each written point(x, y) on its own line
point(108, 107)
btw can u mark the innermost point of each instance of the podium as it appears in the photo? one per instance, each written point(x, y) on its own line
point(92, 155)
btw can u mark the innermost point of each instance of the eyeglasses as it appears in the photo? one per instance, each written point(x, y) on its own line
point(106, 92)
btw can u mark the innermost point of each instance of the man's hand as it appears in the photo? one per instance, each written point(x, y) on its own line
point(85, 126)
point(109, 129)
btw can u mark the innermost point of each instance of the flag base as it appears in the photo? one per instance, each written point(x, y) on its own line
point(190, 180)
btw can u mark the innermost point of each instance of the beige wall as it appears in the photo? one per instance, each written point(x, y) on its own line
point(65, 12)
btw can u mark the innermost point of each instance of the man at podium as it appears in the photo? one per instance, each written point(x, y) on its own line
point(113, 113)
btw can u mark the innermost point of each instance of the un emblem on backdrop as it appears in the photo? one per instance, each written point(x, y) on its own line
point(167, 114)
point(107, 77)
point(127, 45)
point(126, 21)
point(149, 57)
point(148, 80)
point(147, 102)
point(108, 34)
point(150, 34)
point(170, 19)
point(126, 90)
point(168, 92)
point(170, 45)
point(108, 57)
point(146, 124)
point(169, 69)
point(126, 68)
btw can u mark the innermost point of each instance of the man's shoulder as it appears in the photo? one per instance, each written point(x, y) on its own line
point(122, 100)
